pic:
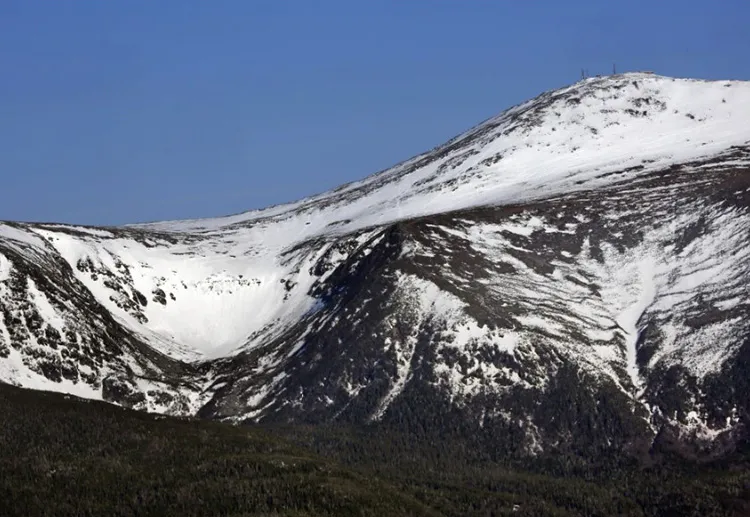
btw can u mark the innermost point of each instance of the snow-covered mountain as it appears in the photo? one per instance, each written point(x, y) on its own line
point(571, 273)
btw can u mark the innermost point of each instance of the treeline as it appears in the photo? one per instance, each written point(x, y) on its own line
point(64, 456)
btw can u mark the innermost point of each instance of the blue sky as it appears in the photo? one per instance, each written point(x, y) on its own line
point(132, 110)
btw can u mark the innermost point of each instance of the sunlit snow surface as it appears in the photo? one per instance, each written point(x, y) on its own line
point(210, 288)
point(564, 140)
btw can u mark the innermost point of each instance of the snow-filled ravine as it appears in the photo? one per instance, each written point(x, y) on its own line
point(216, 286)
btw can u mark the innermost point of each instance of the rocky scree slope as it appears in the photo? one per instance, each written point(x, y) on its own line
point(570, 275)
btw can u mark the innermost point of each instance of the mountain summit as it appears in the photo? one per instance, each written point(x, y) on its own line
point(571, 274)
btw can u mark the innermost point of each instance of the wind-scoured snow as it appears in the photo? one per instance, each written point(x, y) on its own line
point(18, 237)
point(564, 140)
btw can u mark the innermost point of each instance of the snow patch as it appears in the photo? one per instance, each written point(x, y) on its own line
point(48, 313)
point(16, 235)
point(629, 318)
point(5, 268)
point(14, 371)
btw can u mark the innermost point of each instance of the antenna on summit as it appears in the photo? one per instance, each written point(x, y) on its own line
point(614, 68)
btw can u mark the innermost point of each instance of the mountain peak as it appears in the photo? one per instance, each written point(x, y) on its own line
point(563, 140)
point(593, 236)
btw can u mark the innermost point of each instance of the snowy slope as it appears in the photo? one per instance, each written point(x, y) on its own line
point(563, 140)
point(571, 139)
point(601, 228)
point(227, 274)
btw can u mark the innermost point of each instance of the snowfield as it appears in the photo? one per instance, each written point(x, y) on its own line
point(590, 254)
point(563, 140)
point(228, 283)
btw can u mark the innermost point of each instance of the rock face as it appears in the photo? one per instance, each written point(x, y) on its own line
point(571, 275)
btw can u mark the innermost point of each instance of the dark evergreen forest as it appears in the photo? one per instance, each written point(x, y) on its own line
point(64, 456)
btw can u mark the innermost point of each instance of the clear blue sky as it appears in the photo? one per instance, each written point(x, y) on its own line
point(131, 110)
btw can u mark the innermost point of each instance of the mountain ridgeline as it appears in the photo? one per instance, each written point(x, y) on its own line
point(566, 282)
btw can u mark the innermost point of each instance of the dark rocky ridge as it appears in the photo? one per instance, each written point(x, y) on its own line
point(575, 411)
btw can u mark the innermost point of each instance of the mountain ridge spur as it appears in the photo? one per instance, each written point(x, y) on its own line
point(584, 250)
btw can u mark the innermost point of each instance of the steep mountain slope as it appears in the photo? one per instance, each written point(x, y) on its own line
point(567, 276)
